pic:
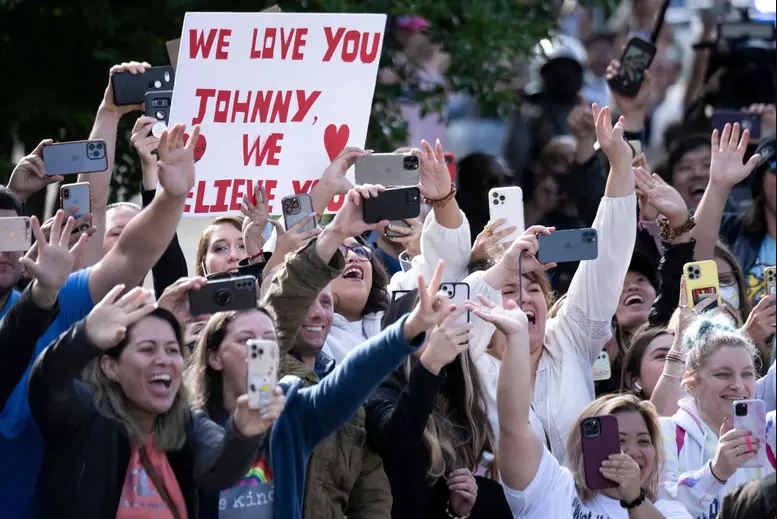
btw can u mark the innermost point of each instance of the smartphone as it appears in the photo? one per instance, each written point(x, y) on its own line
point(387, 169)
point(599, 438)
point(771, 281)
point(77, 195)
point(398, 294)
point(507, 203)
point(701, 278)
point(130, 89)
point(158, 103)
point(296, 208)
point(15, 234)
point(636, 58)
point(67, 158)
point(750, 122)
point(262, 359)
point(570, 245)
point(392, 204)
point(221, 295)
point(601, 368)
point(750, 415)
point(458, 293)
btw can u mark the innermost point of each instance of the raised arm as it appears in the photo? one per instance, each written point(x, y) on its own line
point(520, 451)
point(148, 234)
point(333, 181)
point(105, 127)
point(726, 171)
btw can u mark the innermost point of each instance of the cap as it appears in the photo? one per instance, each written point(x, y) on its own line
point(766, 148)
point(641, 262)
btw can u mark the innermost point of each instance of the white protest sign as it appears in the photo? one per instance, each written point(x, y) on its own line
point(277, 97)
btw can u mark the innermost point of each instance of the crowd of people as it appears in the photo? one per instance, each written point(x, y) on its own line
point(118, 402)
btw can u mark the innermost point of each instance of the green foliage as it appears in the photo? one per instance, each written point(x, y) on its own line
point(56, 56)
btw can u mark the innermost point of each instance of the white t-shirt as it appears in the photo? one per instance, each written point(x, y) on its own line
point(552, 493)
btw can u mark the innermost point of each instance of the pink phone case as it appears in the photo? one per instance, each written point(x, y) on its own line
point(599, 437)
point(754, 420)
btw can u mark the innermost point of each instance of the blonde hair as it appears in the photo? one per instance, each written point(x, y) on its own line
point(609, 405)
point(202, 245)
point(109, 399)
point(453, 445)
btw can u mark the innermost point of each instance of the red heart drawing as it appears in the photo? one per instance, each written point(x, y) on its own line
point(335, 139)
point(199, 148)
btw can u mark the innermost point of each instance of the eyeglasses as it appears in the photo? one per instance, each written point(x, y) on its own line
point(727, 280)
point(362, 253)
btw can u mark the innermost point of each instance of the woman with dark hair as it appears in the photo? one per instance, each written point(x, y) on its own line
point(428, 421)
point(109, 399)
point(644, 360)
point(687, 167)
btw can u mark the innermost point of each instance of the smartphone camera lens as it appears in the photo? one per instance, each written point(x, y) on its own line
point(222, 297)
point(261, 351)
point(91, 146)
point(740, 409)
point(410, 162)
point(496, 201)
point(591, 428)
point(65, 193)
point(157, 84)
point(99, 145)
point(160, 115)
point(502, 198)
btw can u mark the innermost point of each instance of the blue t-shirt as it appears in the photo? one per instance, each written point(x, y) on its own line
point(754, 279)
point(21, 444)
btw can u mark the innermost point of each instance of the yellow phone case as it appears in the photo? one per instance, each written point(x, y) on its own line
point(701, 278)
point(770, 275)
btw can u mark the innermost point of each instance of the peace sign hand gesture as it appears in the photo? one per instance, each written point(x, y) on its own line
point(432, 308)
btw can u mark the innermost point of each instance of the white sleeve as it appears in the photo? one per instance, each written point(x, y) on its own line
point(672, 509)
point(548, 494)
point(407, 279)
point(481, 330)
point(765, 389)
point(451, 245)
point(592, 299)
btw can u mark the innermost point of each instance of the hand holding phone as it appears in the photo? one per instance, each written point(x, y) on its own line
point(392, 204)
point(76, 199)
point(701, 279)
point(262, 357)
point(296, 208)
point(507, 203)
point(130, 87)
point(599, 438)
point(234, 293)
point(750, 416)
point(387, 169)
point(568, 245)
point(67, 158)
point(626, 79)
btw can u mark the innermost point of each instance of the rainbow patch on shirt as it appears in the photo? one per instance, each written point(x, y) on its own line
point(259, 474)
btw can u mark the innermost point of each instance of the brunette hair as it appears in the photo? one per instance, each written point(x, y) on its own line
point(632, 361)
point(111, 402)
point(202, 245)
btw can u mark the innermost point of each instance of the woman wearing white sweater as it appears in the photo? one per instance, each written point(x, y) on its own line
point(706, 458)
point(564, 348)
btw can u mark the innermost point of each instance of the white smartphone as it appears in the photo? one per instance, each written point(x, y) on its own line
point(15, 234)
point(507, 203)
point(601, 367)
point(78, 196)
point(750, 415)
point(458, 293)
point(262, 373)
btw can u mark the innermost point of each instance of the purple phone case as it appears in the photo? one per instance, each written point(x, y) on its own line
point(597, 449)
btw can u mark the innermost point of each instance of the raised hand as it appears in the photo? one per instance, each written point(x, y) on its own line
point(256, 214)
point(631, 105)
point(610, 139)
point(133, 67)
point(728, 152)
point(176, 161)
point(334, 174)
point(463, 491)
point(294, 238)
point(623, 470)
point(29, 175)
point(510, 319)
point(660, 195)
point(175, 298)
point(253, 422)
point(349, 220)
point(409, 237)
point(488, 238)
point(762, 321)
point(735, 448)
point(55, 258)
point(82, 225)
point(434, 178)
point(524, 249)
point(143, 142)
point(433, 306)
point(107, 323)
point(445, 343)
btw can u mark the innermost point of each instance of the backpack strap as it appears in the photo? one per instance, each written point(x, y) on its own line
point(158, 483)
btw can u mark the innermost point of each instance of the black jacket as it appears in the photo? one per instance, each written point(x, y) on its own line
point(87, 454)
point(396, 419)
point(20, 330)
point(172, 264)
point(670, 270)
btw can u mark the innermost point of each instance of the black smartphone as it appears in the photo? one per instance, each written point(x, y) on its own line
point(636, 58)
point(570, 245)
point(66, 158)
point(237, 293)
point(130, 89)
point(750, 122)
point(393, 204)
point(158, 104)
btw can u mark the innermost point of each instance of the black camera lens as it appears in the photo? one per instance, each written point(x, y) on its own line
point(91, 146)
point(502, 198)
point(496, 201)
point(740, 409)
point(99, 146)
point(261, 351)
point(495, 195)
point(65, 193)
point(223, 297)
point(591, 428)
point(410, 162)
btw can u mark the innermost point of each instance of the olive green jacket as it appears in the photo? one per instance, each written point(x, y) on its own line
point(345, 478)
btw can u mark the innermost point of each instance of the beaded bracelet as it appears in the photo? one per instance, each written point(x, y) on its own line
point(636, 502)
point(441, 202)
point(675, 356)
point(451, 514)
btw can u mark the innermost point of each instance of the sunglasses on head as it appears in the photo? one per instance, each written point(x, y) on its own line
point(362, 253)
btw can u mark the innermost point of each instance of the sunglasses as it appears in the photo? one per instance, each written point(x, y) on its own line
point(362, 253)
